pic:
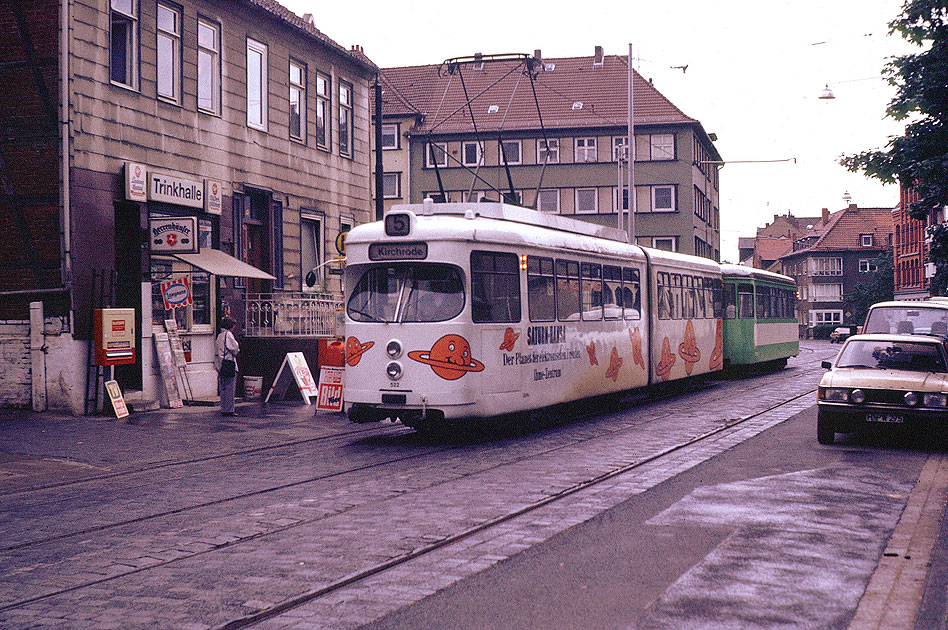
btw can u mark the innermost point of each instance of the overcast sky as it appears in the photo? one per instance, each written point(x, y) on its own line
point(755, 71)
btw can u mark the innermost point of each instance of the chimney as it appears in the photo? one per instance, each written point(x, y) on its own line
point(826, 216)
point(309, 19)
point(538, 55)
point(599, 56)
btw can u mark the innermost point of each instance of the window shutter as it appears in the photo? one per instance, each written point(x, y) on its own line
point(276, 229)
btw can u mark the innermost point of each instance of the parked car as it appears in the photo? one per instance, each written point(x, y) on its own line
point(840, 335)
point(884, 380)
point(926, 317)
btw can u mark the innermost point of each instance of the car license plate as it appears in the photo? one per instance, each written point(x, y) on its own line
point(883, 417)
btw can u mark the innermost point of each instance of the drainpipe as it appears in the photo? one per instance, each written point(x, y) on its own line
point(379, 165)
point(65, 216)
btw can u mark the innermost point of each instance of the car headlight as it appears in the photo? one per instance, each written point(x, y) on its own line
point(910, 398)
point(858, 396)
point(834, 394)
point(935, 400)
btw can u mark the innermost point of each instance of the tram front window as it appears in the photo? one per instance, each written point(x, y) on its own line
point(407, 293)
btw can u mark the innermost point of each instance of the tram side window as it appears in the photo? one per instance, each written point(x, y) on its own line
point(631, 293)
point(730, 297)
point(716, 295)
point(612, 291)
point(567, 290)
point(591, 284)
point(541, 289)
point(676, 296)
point(745, 301)
point(495, 287)
point(664, 296)
point(699, 298)
point(688, 297)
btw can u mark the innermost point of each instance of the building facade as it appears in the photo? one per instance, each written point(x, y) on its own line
point(829, 264)
point(236, 121)
point(552, 134)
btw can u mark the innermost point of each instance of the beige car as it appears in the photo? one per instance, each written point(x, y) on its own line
point(884, 380)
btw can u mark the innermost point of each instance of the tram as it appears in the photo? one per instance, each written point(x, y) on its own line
point(474, 310)
point(760, 323)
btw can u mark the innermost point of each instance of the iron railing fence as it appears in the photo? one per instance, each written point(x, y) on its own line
point(290, 315)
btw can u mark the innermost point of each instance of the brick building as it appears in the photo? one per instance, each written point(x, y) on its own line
point(238, 120)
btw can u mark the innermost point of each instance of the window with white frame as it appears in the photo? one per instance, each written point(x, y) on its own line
point(168, 51)
point(825, 266)
point(511, 151)
point(831, 292)
point(867, 266)
point(472, 197)
point(256, 85)
point(666, 243)
point(311, 249)
point(514, 198)
point(549, 200)
point(865, 240)
point(323, 108)
point(548, 151)
point(662, 146)
point(663, 199)
point(437, 154)
point(615, 198)
point(297, 100)
point(391, 135)
point(620, 146)
point(587, 200)
point(832, 317)
point(585, 150)
point(123, 44)
point(209, 67)
point(345, 119)
point(392, 185)
point(471, 153)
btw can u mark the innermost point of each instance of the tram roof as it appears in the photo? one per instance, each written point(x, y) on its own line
point(729, 269)
point(515, 214)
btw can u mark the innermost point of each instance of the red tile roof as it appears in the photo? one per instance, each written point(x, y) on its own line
point(770, 249)
point(845, 228)
point(278, 10)
point(561, 86)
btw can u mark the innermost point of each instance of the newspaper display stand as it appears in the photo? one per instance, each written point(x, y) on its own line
point(169, 371)
point(180, 361)
point(293, 369)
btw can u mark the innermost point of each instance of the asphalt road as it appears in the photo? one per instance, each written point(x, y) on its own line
point(775, 532)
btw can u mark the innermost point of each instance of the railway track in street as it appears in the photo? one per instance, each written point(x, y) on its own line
point(435, 468)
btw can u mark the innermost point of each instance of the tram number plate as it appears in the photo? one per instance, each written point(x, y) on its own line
point(883, 417)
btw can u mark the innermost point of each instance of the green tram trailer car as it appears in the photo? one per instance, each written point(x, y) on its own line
point(760, 321)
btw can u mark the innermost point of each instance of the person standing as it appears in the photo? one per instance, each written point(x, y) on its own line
point(225, 360)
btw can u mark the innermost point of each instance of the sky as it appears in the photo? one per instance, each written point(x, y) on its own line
point(756, 69)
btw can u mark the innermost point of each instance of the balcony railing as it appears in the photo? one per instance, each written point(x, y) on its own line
point(290, 315)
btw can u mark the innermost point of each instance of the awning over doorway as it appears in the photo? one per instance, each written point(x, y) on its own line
point(220, 264)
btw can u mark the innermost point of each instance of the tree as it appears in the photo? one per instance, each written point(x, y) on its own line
point(878, 287)
point(918, 159)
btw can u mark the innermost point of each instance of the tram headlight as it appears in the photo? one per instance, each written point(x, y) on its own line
point(394, 370)
point(910, 398)
point(935, 400)
point(393, 349)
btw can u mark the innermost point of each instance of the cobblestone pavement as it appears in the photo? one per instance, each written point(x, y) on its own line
point(190, 522)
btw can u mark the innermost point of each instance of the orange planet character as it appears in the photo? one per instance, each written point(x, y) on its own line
point(614, 364)
point(591, 349)
point(717, 355)
point(355, 349)
point(510, 338)
point(449, 357)
point(668, 360)
point(688, 349)
point(636, 338)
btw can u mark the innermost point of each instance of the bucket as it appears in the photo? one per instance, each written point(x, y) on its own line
point(253, 387)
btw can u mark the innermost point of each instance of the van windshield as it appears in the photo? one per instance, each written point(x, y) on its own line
point(415, 292)
point(918, 320)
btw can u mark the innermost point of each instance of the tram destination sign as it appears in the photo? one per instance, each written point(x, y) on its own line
point(398, 251)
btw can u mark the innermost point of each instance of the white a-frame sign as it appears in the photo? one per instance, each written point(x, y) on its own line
point(293, 368)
